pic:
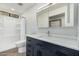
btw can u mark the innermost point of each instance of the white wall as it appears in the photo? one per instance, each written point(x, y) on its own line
point(32, 24)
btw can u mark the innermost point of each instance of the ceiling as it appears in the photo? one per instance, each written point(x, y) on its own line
point(15, 7)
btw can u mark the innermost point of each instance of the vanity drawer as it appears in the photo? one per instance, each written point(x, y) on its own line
point(46, 44)
point(29, 39)
point(29, 51)
point(33, 41)
point(29, 45)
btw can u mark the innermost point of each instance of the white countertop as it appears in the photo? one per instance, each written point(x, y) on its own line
point(69, 43)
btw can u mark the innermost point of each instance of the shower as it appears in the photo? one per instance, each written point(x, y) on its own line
point(10, 31)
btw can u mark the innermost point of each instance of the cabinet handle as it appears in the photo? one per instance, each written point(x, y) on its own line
point(40, 44)
point(28, 39)
point(28, 45)
point(39, 53)
point(43, 45)
point(59, 53)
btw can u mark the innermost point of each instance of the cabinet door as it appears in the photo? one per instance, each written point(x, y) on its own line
point(42, 19)
point(38, 51)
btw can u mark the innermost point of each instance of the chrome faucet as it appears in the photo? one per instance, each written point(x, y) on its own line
point(48, 32)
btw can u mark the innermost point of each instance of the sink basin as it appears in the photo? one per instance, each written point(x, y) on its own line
point(42, 35)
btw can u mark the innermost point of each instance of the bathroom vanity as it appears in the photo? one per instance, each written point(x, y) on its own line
point(59, 15)
point(39, 46)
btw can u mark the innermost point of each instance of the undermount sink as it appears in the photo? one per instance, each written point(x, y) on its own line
point(45, 36)
point(42, 35)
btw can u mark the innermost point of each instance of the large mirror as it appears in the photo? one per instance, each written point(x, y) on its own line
point(57, 15)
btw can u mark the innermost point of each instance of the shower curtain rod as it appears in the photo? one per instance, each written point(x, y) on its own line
point(11, 15)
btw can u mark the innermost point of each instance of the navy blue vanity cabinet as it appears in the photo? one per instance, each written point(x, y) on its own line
point(45, 49)
point(29, 47)
point(35, 47)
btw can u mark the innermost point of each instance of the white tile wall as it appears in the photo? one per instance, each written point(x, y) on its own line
point(61, 31)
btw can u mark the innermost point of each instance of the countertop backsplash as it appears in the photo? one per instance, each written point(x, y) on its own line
point(66, 32)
